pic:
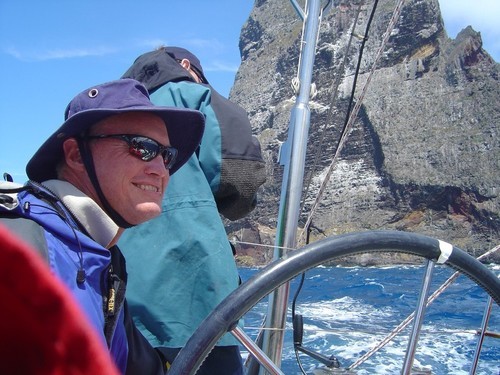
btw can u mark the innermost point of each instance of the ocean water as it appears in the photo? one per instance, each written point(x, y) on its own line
point(347, 311)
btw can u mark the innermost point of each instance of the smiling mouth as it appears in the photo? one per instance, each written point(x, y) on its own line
point(148, 188)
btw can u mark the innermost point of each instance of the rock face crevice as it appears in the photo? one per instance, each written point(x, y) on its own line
point(423, 153)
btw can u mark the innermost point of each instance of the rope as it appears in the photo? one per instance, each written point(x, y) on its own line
point(354, 113)
point(410, 317)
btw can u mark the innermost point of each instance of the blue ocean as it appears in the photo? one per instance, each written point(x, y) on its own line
point(347, 311)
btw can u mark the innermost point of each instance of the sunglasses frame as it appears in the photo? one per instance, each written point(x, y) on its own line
point(168, 153)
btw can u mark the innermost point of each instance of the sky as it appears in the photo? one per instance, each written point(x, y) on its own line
point(51, 50)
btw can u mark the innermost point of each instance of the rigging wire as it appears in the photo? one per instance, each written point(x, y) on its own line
point(326, 5)
point(333, 99)
point(348, 112)
point(352, 116)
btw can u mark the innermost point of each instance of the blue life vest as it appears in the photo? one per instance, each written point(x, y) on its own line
point(81, 263)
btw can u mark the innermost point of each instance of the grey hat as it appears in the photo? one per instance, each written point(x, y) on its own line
point(185, 127)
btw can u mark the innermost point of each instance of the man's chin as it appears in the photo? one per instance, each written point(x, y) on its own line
point(145, 213)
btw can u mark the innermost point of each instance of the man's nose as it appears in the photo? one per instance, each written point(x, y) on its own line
point(157, 166)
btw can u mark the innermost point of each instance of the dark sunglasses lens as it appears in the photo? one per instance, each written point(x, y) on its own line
point(169, 156)
point(145, 148)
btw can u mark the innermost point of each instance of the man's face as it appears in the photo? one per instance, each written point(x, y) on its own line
point(133, 187)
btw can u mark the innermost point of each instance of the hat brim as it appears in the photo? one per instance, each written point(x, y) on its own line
point(184, 126)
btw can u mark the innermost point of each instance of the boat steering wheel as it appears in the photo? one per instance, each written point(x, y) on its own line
point(226, 315)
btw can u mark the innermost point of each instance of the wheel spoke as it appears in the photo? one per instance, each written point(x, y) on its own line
point(419, 317)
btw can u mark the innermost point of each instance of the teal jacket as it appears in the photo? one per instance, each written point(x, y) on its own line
point(181, 264)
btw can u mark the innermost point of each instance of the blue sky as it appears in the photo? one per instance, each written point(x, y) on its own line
point(52, 49)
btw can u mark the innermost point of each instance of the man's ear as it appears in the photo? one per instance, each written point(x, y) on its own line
point(72, 155)
point(186, 64)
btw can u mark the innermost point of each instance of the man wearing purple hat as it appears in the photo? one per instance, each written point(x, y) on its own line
point(105, 169)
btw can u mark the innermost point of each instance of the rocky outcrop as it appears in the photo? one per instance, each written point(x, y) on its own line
point(423, 153)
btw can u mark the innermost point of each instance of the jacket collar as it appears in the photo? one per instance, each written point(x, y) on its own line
point(95, 221)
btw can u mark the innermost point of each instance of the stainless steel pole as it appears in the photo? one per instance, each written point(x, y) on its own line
point(292, 156)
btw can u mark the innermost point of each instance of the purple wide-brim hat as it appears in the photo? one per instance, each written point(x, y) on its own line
point(184, 126)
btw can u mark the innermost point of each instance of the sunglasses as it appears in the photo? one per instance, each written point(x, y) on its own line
point(144, 148)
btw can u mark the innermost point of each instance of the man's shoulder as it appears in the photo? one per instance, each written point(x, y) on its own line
point(13, 217)
point(28, 230)
point(27, 201)
point(30, 212)
point(186, 87)
point(183, 94)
